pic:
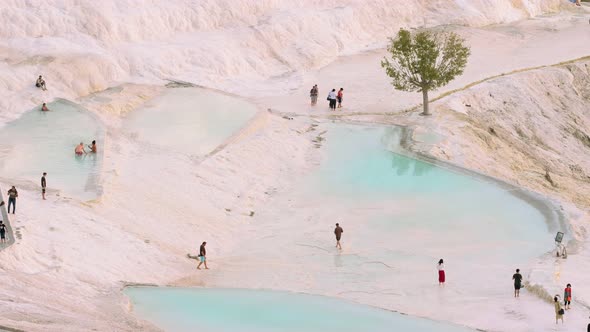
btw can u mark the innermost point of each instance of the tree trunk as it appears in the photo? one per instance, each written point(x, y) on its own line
point(425, 102)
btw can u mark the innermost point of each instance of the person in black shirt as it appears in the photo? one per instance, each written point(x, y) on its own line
point(43, 185)
point(12, 195)
point(517, 277)
point(202, 256)
point(2, 232)
point(338, 232)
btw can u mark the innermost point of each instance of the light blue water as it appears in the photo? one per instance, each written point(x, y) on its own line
point(189, 120)
point(40, 142)
point(427, 209)
point(236, 310)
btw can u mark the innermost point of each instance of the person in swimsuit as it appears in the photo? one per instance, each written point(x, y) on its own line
point(43, 185)
point(203, 256)
point(44, 108)
point(92, 147)
point(80, 149)
point(338, 232)
point(517, 277)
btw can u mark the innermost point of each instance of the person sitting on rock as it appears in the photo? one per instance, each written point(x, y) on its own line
point(41, 83)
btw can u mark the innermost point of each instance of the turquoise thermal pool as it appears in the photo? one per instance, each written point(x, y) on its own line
point(193, 121)
point(231, 310)
point(40, 142)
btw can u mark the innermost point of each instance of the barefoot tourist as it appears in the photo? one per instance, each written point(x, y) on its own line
point(517, 277)
point(43, 185)
point(558, 309)
point(567, 297)
point(441, 272)
point(338, 232)
point(203, 256)
point(12, 195)
point(80, 149)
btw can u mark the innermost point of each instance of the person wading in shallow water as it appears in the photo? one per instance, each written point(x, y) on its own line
point(203, 256)
point(338, 232)
point(517, 277)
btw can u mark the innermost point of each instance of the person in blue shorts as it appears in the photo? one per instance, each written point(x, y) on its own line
point(203, 256)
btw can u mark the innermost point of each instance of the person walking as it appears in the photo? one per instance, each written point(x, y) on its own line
point(441, 272)
point(43, 185)
point(517, 277)
point(558, 310)
point(338, 232)
point(567, 297)
point(203, 256)
point(332, 99)
point(2, 232)
point(313, 93)
point(12, 195)
point(339, 97)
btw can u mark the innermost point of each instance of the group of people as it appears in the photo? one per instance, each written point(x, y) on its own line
point(559, 310)
point(334, 98)
point(80, 150)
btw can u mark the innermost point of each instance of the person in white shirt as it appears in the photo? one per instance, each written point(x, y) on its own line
point(441, 272)
point(332, 99)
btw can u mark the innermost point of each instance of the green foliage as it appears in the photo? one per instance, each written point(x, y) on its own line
point(425, 60)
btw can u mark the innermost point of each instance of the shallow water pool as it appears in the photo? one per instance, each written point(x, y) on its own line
point(40, 142)
point(225, 310)
point(193, 121)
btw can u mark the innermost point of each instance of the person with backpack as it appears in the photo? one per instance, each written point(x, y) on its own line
point(558, 310)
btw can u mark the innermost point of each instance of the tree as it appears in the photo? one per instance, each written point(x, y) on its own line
point(425, 61)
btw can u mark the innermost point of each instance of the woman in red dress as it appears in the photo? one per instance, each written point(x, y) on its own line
point(441, 272)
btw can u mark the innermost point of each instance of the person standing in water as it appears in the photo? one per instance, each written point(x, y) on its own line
point(441, 272)
point(567, 297)
point(314, 95)
point(43, 185)
point(517, 277)
point(558, 310)
point(92, 147)
point(80, 149)
point(339, 97)
point(203, 256)
point(338, 232)
point(44, 108)
point(12, 195)
point(332, 99)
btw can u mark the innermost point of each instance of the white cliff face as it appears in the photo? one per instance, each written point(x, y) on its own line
point(86, 46)
point(61, 276)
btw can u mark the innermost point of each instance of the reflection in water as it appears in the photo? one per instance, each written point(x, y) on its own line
point(405, 166)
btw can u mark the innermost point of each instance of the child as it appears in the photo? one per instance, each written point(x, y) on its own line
point(567, 296)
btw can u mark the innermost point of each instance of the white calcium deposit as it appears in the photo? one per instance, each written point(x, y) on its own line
point(67, 270)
